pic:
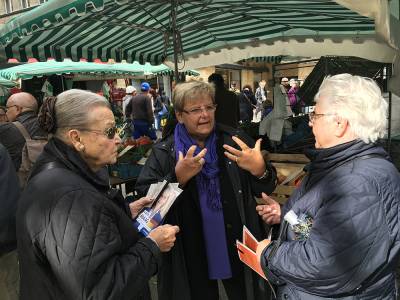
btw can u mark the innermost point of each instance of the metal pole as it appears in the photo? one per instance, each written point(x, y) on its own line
point(174, 39)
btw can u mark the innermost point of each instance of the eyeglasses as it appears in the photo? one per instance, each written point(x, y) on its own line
point(8, 107)
point(199, 110)
point(312, 116)
point(109, 132)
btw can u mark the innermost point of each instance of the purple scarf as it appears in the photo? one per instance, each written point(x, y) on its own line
point(207, 180)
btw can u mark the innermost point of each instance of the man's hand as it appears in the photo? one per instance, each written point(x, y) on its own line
point(164, 236)
point(137, 205)
point(270, 212)
point(249, 159)
point(189, 166)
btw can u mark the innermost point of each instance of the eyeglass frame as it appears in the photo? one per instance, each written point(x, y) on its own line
point(105, 132)
point(199, 110)
point(7, 108)
point(312, 116)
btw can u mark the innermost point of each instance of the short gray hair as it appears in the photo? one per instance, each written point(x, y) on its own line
point(358, 100)
point(189, 91)
point(72, 108)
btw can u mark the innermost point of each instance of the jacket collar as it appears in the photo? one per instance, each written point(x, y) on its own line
point(70, 158)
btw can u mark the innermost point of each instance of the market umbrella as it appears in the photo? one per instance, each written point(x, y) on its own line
point(7, 83)
point(206, 31)
point(38, 69)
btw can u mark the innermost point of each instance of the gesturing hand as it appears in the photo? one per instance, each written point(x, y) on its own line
point(270, 212)
point(249, 159)
point(164, 236)
point(189, 165)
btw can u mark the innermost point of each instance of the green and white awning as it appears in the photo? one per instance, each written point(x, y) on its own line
point(118, 70)
point(134, 30)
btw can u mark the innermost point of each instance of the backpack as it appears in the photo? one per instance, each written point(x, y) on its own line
point(30, 152)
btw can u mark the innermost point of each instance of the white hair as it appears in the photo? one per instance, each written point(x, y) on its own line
point(358, 100)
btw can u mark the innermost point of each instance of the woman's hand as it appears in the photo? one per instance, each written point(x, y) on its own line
point(270, 212)
point(164, 236)
point(249, 159)
point(189, 166)
point(137, 205)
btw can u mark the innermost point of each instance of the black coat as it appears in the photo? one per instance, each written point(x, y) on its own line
point(352, 193)
point(14, 141)
point(75, 237)
point(238, 207)
point(227, 111)
point(9, 194)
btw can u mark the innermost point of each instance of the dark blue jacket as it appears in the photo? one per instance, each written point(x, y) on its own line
point(352, 194)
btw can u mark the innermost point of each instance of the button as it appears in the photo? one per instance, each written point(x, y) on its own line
point(230, 162)
point(239, 191)
point(285, 296)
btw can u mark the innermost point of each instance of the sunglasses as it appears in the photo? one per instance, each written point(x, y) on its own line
point(109, 132)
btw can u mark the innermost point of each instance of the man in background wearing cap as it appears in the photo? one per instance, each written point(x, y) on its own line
point(141, 112)
point(130, 93)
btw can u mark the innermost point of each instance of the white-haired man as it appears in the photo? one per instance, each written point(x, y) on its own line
point(343, 239)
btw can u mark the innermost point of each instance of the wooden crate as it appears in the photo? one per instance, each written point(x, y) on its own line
point(289, 169)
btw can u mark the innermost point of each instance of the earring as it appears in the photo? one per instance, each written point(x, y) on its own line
point(82, 147)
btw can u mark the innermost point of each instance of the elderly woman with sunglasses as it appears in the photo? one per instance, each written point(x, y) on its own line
point(217, 199)
point(75, 234)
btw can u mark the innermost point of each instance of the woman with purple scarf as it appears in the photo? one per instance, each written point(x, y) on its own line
point(220, 176)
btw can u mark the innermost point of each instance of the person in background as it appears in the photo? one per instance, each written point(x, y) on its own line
point(75, 234)
point(9, 191)
point(347, 244)
point(21, 107)
point(140, 110)
point(292, 94)
point(247, 102)
point(130, 93)
point(285, 84)
point(217, 199)
point(261, 97)
point(158, 107)
point(3, 115)
point(227, 111)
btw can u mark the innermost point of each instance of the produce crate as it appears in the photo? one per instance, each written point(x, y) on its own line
point(290, 172)
point(125, 170)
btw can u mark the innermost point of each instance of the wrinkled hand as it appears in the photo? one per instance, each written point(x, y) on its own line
point(270, 212)
point(260, 248)
point(164, 236)
point(189, 166)
point(249, 159)
point(137, 205)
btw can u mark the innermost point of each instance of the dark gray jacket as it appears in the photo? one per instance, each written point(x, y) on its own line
point(14, 141)
point(352, 194)
point(9, 194)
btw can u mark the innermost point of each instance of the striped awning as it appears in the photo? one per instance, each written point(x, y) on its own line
point(117, 70)
point(264, 59)
point(142, 31)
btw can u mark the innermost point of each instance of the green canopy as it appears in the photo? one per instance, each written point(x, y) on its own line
point(30, 70)
point(154, 31)
point(7, 83)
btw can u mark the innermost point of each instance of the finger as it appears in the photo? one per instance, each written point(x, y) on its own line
point(268, 200)
point(201, 154)
point(176, 229)
point(180, 156)
point(202, 161)
point(232, 150)
point(190, 152)
point(257, 146)
point(230, 156)
point(241, 144)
